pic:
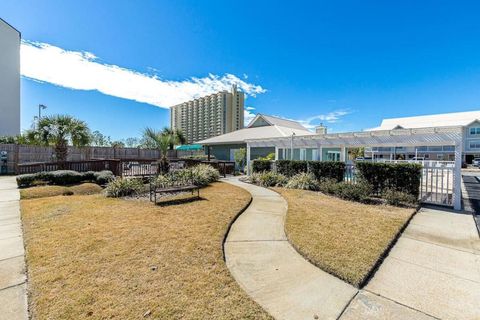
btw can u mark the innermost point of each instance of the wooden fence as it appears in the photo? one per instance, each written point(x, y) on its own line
point(80, 166)
point(25, 154)
point(123, 167)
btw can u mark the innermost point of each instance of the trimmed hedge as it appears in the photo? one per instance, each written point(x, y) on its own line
point(403, 177)
point(64, 177)
point(320, 169)
point(327, 170)
point(259, 165)
point(290, 168)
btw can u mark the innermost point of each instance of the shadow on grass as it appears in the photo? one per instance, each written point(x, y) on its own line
point(176, 201)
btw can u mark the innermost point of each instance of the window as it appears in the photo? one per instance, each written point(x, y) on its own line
point(475, 131)
point(475, 144)
point(303, 154)
point(333, 155)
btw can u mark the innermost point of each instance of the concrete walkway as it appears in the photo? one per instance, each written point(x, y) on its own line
point(432, 272)
point(13, 298)
point(267, 267)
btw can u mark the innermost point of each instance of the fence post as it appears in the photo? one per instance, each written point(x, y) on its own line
point(457, 177)
point(16, 157)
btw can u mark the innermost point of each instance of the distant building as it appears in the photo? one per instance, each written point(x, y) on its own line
point(9, 80)
point(469, 120)
point(209, 116)
point(224, 146)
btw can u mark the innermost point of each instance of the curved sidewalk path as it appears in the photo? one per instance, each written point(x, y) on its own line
point(271, 271)
point(13, 297)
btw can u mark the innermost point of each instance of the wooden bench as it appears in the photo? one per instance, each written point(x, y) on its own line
point(180, 187)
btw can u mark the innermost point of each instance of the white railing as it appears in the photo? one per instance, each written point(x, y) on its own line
point(429, 163)
point(437, 185)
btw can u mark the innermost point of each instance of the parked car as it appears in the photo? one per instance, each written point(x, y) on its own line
point(476, 162)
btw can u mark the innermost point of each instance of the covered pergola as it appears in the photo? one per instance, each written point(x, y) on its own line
point(435, 136)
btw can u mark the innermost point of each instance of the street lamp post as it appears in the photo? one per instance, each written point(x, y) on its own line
point(40, 107)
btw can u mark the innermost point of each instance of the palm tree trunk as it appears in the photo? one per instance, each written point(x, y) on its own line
point(61, 151)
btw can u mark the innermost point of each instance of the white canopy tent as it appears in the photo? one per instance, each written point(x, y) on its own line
point(435, 136)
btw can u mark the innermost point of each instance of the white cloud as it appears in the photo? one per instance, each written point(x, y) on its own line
point(330, 117)
point(248, 115)
point(81, 70)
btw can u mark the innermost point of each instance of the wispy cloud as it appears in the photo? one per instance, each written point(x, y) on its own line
point(248, 115)
point(330, 117)
point(82, 70)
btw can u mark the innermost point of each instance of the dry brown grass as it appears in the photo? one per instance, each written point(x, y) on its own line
point(341, 237)
point(91, 257)
point(50, 191)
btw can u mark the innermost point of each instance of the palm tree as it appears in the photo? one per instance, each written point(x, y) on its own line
point(161, 141)
point(60, 130)
point(177, 136)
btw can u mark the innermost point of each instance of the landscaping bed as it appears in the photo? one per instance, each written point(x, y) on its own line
point(107, 258)
point(50, 191)
point(344, 238)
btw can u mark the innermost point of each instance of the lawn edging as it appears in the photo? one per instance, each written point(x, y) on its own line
point(385, 253)
point(230, 224)
point(377, 264)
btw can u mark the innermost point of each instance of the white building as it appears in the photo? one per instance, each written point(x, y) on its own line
point(9, 79)
point(469, 121)
point(223, 147)
point(209, 116)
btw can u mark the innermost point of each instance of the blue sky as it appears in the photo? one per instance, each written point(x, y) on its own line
point(345, 63)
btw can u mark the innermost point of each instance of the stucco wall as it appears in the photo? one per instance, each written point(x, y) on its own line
point(9, 80)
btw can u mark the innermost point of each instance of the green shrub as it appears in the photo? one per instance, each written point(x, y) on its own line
point(396, 198)
point(26, 180)
point(304, 181)
point(271, 179)
point(290, 168)
point(174, 178)
point(354, 192)
point(124, 187)
point(103, 177)
point(328, 186)
point(203, 174)
point(62, 177)
point(327, 169)
point(259, 165)
point(200, 175)
point(404, 177)
point(360, 191)
point(89, 176)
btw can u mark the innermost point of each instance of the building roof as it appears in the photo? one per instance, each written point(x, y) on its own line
point(267, 131)
point(272, 120)
point(434, 120)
